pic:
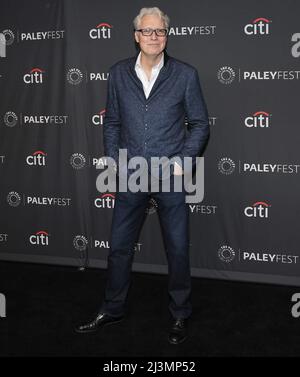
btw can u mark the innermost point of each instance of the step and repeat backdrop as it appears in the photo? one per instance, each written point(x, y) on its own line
point(55, 58)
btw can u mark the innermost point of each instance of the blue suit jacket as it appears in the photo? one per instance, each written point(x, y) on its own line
point(173, 121)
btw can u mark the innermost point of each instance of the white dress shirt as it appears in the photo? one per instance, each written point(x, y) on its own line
point(148, 84)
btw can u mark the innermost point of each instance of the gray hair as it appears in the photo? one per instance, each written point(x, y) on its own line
point(151, 11)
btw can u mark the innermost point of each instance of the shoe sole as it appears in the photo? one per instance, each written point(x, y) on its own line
point(98, 328)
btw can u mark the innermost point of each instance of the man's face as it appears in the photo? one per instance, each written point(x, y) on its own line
point(151, 45)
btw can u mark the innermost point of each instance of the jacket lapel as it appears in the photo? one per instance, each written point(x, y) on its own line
point(162, 76)
point(134, 76)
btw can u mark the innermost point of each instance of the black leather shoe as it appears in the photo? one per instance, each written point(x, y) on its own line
point(178, 331)
point(101, 320)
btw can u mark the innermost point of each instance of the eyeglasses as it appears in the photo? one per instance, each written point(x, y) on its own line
point(158, 32)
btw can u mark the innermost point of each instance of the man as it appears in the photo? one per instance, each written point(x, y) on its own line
point(150, 97)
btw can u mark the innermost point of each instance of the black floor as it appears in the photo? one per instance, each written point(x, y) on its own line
point(44, 303)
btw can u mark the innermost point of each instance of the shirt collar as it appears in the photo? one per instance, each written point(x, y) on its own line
point(157, 66)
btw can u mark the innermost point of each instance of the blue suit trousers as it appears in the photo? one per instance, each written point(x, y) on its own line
point(128, 216)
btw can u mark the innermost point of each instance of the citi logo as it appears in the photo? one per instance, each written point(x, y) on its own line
point(258, 209)
point(105, 201)
point(38, 158)
point(260, 26)
point(260, 119)
point(35, 76)
point(40, 238)
point(101, 31)
point(98, 119)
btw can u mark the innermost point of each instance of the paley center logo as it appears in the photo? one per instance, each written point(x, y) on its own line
point(77, 161)
point(98, 119)
point(11, 119)
point(259, 26)
point(227, 254)
point(14, 200)
point(257, 209)
point(80, 242)
point(106, 200)
point(35, 76)
point(38, 158)
point(75, 76)
point(40, 238)
point(101, 31)
point(31, 36)
point(226, 75)
point(7, 37)
point(226, 165)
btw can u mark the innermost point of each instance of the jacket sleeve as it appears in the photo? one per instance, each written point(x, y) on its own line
point(112, 121)
point(197, 132)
